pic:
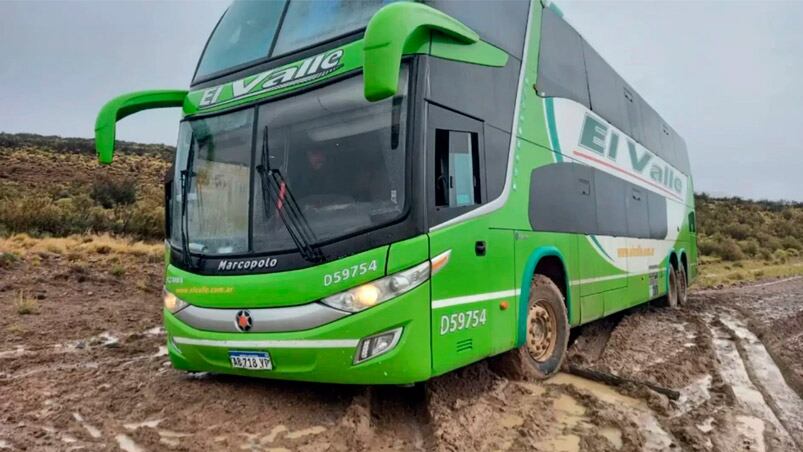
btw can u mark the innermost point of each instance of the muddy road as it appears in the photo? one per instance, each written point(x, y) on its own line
point(87, 370)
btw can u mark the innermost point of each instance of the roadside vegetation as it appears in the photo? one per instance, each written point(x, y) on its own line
point(56, 198)
point(742, 240)
point(49, 192)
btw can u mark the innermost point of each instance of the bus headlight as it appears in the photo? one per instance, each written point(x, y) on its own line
point(375, 292)
point(173, 303)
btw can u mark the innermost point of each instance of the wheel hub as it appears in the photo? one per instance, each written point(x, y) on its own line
point(541, 337)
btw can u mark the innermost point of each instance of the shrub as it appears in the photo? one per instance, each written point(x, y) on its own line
point(730, 251)
point(25, 305)
point(109, 191)
point(7, 260)
point(117, 271)
point(738, 231)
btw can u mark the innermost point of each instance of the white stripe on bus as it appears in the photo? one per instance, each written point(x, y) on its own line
point(476, 298)
point(290, 343)
point(578, 282)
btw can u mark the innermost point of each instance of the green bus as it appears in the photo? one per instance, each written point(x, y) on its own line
point(377, 192)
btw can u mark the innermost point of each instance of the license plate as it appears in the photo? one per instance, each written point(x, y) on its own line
point(250, 360)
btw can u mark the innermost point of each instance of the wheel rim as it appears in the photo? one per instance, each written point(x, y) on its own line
point(541, 332)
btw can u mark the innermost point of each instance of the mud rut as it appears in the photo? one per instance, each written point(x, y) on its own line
point(115, 390)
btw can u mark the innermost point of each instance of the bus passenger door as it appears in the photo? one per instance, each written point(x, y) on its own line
point(468, 288)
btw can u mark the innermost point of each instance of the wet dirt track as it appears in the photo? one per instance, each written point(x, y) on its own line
point(89, 372)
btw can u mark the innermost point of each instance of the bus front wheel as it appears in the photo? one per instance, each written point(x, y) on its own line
point(547, 334)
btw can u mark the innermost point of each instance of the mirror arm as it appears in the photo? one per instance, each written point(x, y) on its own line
point(398, 28)
point(128, 104)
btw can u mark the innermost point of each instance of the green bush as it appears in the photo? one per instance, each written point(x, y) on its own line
point(730, 251)
point(109, 191)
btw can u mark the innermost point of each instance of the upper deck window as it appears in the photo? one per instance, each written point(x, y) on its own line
point(245, 33)
point(248, 29)
point(311, 21)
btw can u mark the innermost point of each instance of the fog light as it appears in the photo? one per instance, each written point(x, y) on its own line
point(378, 344)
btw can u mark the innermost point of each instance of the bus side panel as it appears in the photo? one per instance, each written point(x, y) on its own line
point(469, 295)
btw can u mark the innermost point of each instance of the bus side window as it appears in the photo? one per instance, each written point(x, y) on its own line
point(457, 165)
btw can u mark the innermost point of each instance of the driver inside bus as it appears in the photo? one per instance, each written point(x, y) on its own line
point(328, 180)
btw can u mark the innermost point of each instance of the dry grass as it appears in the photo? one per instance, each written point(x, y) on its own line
point(79, 247)
point(714, 272)
point(25, 305)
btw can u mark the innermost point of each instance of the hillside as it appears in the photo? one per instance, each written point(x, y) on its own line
point(54, 186)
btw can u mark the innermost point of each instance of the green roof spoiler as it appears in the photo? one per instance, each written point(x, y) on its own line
point(128, 104)
point(400, 28)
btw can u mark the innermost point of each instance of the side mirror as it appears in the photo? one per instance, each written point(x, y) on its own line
point(400, 28)
point(128, 104)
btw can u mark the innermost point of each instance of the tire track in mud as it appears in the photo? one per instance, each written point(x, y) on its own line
point(756, 380)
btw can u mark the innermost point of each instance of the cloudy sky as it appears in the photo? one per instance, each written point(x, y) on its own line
point(726, 74)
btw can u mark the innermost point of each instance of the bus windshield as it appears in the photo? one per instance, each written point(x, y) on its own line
point(340, 157)
point(250, 31)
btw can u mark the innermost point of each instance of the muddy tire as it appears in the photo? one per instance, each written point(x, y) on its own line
point(671, 298)
point(682, 284)
point(547, 335)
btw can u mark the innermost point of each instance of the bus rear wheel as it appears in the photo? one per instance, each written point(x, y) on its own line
point(682, 283)
point(547, 334)
point(671, 299)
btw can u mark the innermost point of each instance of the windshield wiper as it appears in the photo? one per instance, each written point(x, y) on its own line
point(275, 189)
point(186, 177)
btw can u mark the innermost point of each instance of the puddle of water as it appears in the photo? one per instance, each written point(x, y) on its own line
point(315, 430)
point(612, 434)
point(655, 437)
point(707, 425)
point(601, 391)
point(562, 443)
point(19, 351)
point(694, 395)
point(127, 444)
point(532, 388)
point(107, 339)
point(172, 434)
point(274, 432)
point(568, 411)
point(195, 375)
point(511, 420)
point(172, 442)
point(155, 331)
point(135, 425)
point(93, 432)
point(753, 429)
point(171, 438)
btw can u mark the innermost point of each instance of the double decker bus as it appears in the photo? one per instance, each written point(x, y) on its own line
point(379, 192)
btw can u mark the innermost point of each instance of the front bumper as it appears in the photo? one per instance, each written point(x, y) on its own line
point(321, 354)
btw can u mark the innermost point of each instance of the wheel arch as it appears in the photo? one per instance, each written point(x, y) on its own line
point(551, 259)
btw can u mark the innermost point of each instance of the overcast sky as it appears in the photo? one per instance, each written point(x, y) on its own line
point(727, 75)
